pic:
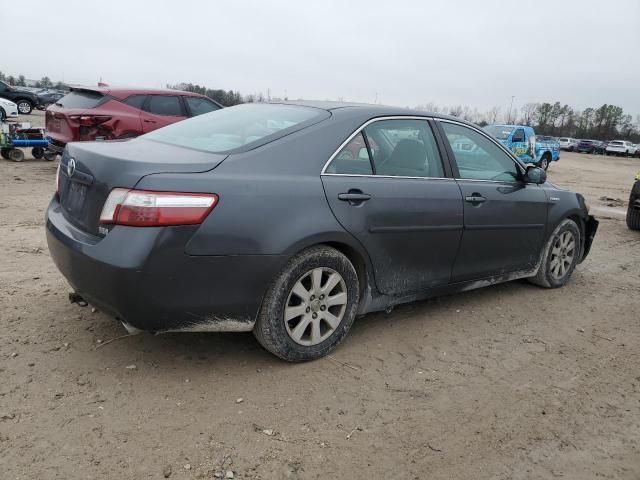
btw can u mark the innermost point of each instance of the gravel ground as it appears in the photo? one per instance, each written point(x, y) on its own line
point(506, 382)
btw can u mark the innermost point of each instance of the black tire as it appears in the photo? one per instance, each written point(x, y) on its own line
point(633, 218)
point(5, 153)
point(544, 162)
point(3, 114)
point(270, 329)
point(50, 156)
point(24, 106)
point(16, 155)
point(545, 277)
point(37, 152)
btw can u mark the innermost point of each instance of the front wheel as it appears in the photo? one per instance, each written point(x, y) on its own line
point(3, 114)
point(560, 256)
point(5, 153)
point(310, 306)
point(633, 217)
point(50, 156)
point(37, 152)
point(24, 107)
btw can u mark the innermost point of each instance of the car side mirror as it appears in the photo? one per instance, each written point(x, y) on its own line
point(535, 175)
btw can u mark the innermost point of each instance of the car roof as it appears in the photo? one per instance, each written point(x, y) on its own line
point(374, 110)
point(123, 92)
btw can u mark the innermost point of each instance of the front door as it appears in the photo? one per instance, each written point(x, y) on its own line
point(387, 187)
point(504, 218)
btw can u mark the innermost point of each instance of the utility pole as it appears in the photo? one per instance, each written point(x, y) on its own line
point(510, 109)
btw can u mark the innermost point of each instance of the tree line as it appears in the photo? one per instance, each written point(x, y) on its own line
point(606, 122)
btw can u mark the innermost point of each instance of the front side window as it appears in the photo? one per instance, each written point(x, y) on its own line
point(353, 159)
point(168, 105)
point(404, 148)
point(518, 136)
point(477, 157)
point(231, 128)
point(198, 105)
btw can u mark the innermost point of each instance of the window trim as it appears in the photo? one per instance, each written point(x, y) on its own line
point(452, 159)
point(361, 128)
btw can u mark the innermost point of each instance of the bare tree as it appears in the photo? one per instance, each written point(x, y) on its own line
point(528, 111)
point(492, 114)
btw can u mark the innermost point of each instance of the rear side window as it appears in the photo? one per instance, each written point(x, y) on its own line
point(198, 105)
point(231, 128)
point(136, 101)
point(168, 105)
point(82, 99)
point(353, 159)
point(404, 148)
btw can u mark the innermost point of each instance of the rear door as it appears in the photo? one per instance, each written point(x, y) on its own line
point(388, 187)
point(161, 110)
point(504, 218)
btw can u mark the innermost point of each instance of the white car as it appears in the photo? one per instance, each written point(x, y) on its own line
point(620, 147)
point(8, 109)
point(569, 144)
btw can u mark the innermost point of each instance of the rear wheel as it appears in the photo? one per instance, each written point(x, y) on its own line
point(16, 155)
point(310, 306)
point(37, 152)
point(49, 155)
point(560, 256)
point(24, 107)
point(544, 162)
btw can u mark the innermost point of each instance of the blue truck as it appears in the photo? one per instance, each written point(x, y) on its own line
point(522, 141)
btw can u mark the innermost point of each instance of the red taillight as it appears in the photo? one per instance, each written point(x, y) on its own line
point(90, 120)
point(141, 208)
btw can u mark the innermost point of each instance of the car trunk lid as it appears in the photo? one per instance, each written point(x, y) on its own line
point(90, 170)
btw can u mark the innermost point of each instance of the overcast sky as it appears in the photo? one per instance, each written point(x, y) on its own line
point(402, 52)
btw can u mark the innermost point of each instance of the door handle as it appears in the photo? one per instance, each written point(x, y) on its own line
point(150, 121)
point(354, 197)
point(475, 198)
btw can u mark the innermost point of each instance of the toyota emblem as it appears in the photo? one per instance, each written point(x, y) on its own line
point(71, 167)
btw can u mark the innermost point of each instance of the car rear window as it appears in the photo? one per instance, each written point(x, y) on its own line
point(615, 142)
point(82, 99)
point(230, 129)
point(501, 132)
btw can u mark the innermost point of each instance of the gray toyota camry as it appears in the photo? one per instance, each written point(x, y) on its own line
point(289, 220)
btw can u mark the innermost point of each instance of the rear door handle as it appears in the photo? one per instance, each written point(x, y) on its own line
point(354, 197)
point(475, 198)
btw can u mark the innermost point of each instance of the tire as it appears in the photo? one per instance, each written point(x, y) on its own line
point(5, 153)
point(3, 114)
point(293, 340)
point(633, 217)
point(16, 155)
point(37, 152)
point(544, 162)
point(50, 156)
point(24, 107)
point(549, 275)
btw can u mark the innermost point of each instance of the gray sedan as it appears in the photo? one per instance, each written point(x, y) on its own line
point(289, 220)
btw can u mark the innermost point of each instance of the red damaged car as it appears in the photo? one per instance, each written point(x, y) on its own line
point(107, 113)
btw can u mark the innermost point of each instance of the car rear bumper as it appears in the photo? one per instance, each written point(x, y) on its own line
point(142, 277)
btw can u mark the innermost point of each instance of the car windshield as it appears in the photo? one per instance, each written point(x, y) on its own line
point(499, 131)
point(231, 128)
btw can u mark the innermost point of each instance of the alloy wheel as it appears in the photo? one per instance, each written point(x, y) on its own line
point(24, 107)
point(562, 253)
point(316, 306)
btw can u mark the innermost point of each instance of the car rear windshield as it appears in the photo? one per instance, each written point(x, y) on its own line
point(615, 142)
point(232, 128)
point(81, 99)
point(498, 131)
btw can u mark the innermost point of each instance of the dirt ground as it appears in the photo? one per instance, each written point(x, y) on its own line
point(506, 382)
